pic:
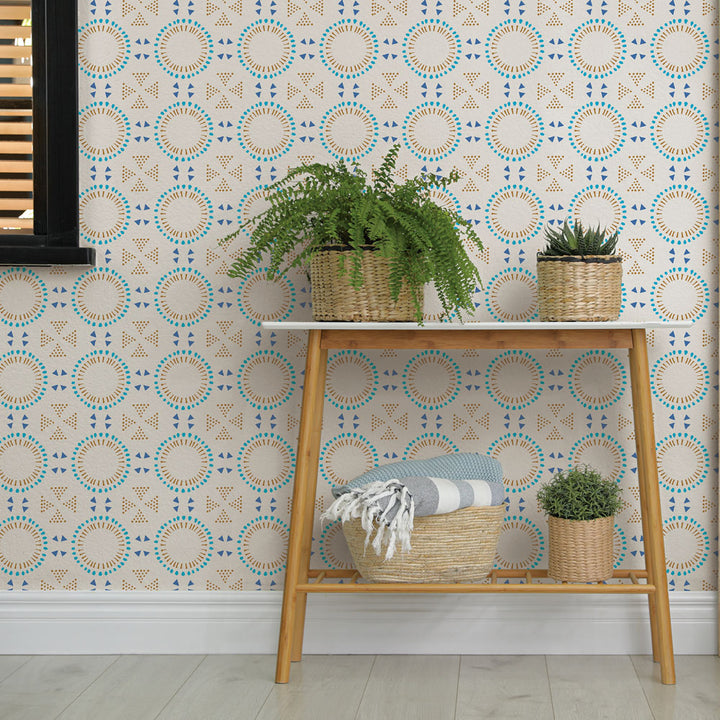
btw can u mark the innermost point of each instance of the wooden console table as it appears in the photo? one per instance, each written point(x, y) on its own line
point(300, 579)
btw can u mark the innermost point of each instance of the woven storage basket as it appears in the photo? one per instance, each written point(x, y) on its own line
point(456, 547)
point(575, 288)
point(581, 550)
point(334, 298)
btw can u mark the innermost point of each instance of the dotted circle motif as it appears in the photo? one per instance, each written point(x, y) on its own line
point(428, 445)
point(602, 452)
point(514, 48)
point(515, 214)
point(262, 545)
point(431, 131)
point(23, 462)
point(183, 545)
point(597, 380)
point(521, 544)
point(348, 48)
point(23, 296)
point(101, 546)
point(352, 380)
point(597, 131)
point(680, 131)
point(183, 214)
point(183, 297)
point(333, 548)
point(511, 295)
point(522, 459)
point(431, 48)
point(183, 48)
point(184, 462)
point(266, 131)
point(346, 456)
point(103, 49)
point(680, 294)
point(683, 462)
point(266, 48)
point(514, 379)
point(101, 379)
point(349, 130)
point(101, 462)
point(104, 131)
point(680, 214)
point(680, 379)
point(266, 462)
point(261, 299)
point(599, 205)
point(680, 48)
point(104, 214)
point(184, 131)
point(266, 379)
point(23, 545)
point(431, 379)
point(23, 380)
point(597, 48)
point(514, 131)
point(101, 297)
point(183, 379)
point(687, 545)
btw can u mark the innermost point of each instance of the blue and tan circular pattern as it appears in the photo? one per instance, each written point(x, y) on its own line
point(429, 444)
point(346, 456)
point(431, 131)
point(620, 546)
point(431, 48)
point(101, 545)
point(183, 214)
point(104, 131)
point(599, 205)
point(597, 131)
point(183, 48)
point(511, 295)
point(261, 299)
point(680, 379)
point(514, 48)
point(680, 214)
point(183, 379)
point(184, 131)
point(101, 297)
point(23, 545)
point(597, 379)
point(514, 131)
point(23, 296)
point(431, 379)
point(103, 48)
point(348, 48)
point(101, 462)
point(183, 545)
point(521, 544)
point(349, 130)
point(333, 548)
point(251, 204)
point(266, 131)
point(104, 214)
point(680, 131)
point(352, 380)
point(515, 214)
point(597, 48)
point(683, 462)
point(262, 545)
point(266, 379)
point(101, 379)
point(183, 297)
point(687, 545)
point(514, 379)
point(266, 462)
point(23, 380)
point(23, 462)
point(680, 48)
point(602, 452)
point(680, 294)
point(266, 48)
point(522, 460)
point(184, 462)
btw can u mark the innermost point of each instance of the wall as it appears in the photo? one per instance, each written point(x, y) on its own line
point(149, 424)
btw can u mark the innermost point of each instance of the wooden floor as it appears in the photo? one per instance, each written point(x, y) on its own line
point(358, 687)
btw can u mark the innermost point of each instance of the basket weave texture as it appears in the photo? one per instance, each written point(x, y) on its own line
point(334, 298)
point(575, 288)
point(459, 546)
point(581, 550)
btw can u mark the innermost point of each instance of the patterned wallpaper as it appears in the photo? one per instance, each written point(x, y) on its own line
point(149, 424)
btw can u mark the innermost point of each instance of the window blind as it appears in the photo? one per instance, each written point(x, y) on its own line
point(16, 162)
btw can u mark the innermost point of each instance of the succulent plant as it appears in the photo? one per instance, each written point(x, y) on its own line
point(577, 240)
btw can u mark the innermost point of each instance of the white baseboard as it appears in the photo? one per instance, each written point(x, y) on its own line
point(247, 622)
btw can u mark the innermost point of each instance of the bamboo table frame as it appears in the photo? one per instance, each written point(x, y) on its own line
point(300, 579)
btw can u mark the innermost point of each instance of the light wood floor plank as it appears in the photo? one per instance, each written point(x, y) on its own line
point(321, 686)
point(224, 687)
point(10, 663)
point(417, 687)
point(696, 696)
point(596, 686)
point(507, 687)
point(136, 686)
point(42, 687)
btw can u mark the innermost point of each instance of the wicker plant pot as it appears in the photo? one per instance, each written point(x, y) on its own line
point(581, 550)
point(334, 298)
point(575, 288)
point(456, 547)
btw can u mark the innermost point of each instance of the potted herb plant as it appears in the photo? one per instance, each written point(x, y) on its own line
point(371, 243)
point(581, 506)
point(579, 274)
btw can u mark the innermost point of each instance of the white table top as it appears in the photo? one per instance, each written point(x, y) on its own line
point(613, 325)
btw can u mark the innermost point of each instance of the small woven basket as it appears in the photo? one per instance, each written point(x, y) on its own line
point(334, 298)
point(581, 550)
point(575, 288)
point(456, 547)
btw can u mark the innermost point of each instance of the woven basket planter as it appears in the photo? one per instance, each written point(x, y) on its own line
point(334, 298)
point(575, 288)
point(456, 547)
point(581, 550)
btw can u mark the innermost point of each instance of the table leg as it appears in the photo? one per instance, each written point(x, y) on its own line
point(659, 605)
point(305, 475)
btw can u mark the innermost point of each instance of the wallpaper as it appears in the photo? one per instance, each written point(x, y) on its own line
point(149, 425)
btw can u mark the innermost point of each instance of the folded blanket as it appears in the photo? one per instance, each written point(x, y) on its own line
point(389, 507)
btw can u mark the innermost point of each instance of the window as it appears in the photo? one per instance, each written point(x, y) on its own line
point(39, 134)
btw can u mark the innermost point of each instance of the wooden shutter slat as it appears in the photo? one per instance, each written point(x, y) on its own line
point(19, 204)
point(15, 51)
point(16, 166)
point(15, 147)
point(15, 128)
point(16, 71)
point(16, 185)
point(12, 90)
point(13, 223)
point(15, 12)
point(12, 32)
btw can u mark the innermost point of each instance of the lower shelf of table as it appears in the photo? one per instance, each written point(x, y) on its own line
point(521, 581)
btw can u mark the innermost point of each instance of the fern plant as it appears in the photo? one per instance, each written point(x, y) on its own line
point(320, 206)
point(580, 494)
point(577, 240)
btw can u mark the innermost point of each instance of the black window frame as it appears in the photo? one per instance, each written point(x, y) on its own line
point(56, 233)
